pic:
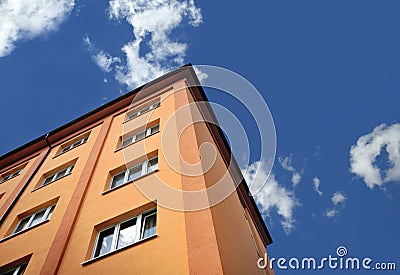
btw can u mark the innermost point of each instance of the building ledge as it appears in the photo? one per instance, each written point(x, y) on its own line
point(23, 231)
point(128, 182)
point(116, 251)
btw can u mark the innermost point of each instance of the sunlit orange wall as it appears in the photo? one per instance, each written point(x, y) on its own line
point(217, 240)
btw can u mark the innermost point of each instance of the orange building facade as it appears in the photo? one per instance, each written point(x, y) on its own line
point(83, 198)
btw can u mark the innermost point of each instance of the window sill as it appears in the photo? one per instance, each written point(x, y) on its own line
point(42, 186)
point(62, 153)
point(121, 148)
point(128, 182)
point(116, 251)
point(23, 231)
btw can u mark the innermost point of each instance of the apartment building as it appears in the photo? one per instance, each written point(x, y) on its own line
point(102, 194)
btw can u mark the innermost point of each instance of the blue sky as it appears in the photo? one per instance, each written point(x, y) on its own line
point(328, 70)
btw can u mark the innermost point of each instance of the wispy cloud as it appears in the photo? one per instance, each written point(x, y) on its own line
point(101, 58)
point(273, 196)
point(26, 19)
point(369, 147)
point(338, 200)
point(287, 165)
point(152, 23)
point(317, 182)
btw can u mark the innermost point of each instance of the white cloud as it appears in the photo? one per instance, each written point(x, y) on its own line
point(317, 182)
point(104, 61)
point(88, 42)
point(26, 19)
point(331, 213)
point(200, 75)
point(152, 23)
point(296, 178)
point(272, 196)
point(101, 58)
point(338, 200)
point(369, 147)
point(286, 164)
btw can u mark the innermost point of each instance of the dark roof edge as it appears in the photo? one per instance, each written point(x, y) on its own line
point(98, 109)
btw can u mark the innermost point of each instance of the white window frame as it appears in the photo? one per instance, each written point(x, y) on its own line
point(10, 176)
point(144, 166)
point(132, 115)
point(74, 144)
point(54, 176)
point(48, 212)
point(138, 233)
point(147, 214)
point(146, 133)
point(17, 269)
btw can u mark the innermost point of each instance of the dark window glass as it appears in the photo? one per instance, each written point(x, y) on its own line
point(104, 242)
point(23, 224)
point(37, 217)
point(140, 136)
point(152, 165)
point(149, 225)
point(155, 129)
point(118, 179)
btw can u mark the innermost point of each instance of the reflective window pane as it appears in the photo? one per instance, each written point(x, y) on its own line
point(126, 142)
point(133, 115)
point(76, 143)
point(37, 218)
point(16, 271)
point(144, 110)
point(149, 225)
point(61, 174)
point(50, 213)
point(117, 180)
point(152, 165)
point(140, 136)
point(48, 180)
point(104, 242)
point(23, 224)
point(155, 129)
point(127, 233)
point(135, 172)
point(65, 149)
point(10, 272)
point(21, 270)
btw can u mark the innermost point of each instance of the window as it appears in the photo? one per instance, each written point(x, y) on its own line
point(34, 219)
point(73, 145)
point(133, 173)
point(10, 176)
point(19, 270)
point(58, 175)
point(132, 115)
point(126, 233)
point(139, 136)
